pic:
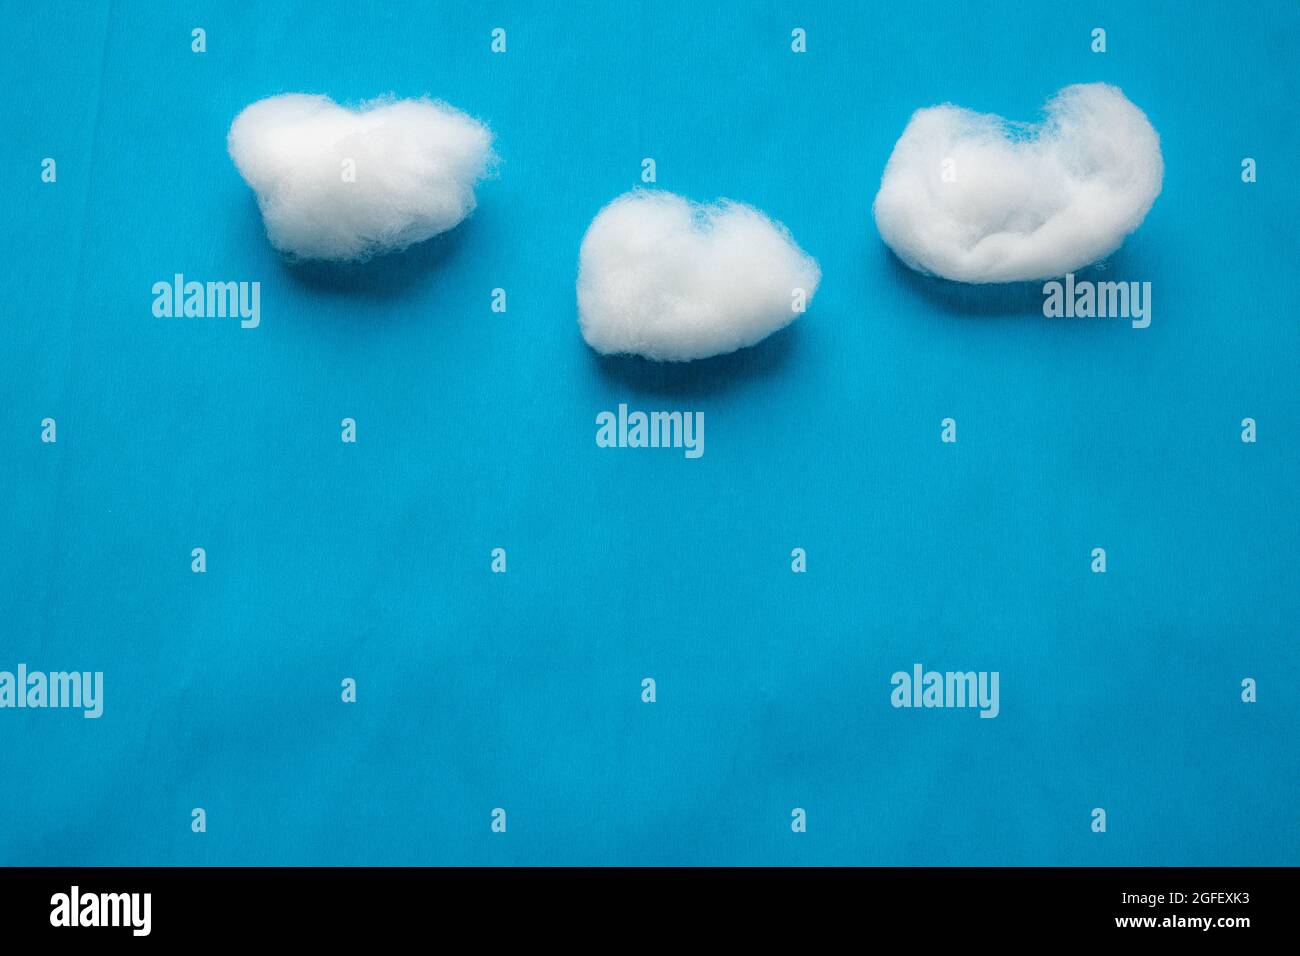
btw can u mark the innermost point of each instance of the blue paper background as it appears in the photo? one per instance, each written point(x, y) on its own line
point(477, 430)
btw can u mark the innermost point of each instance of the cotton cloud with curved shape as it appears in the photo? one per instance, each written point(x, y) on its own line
point(347, 184)
point(972, 197)
point(672, 280)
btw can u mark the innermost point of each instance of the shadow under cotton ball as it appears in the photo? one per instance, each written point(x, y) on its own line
point(348, 184)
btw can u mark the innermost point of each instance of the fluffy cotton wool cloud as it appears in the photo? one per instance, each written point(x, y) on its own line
point(339, 183)
point(672, 280)
point(972, 197)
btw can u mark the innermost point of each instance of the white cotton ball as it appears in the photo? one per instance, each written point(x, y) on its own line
point(338, 183)
point(672, 280)
point(971, 197)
